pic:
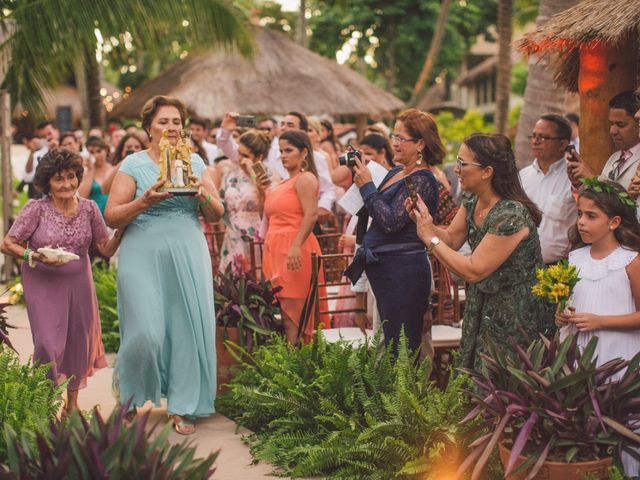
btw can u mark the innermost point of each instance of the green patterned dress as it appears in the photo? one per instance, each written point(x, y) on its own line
point(502, 305)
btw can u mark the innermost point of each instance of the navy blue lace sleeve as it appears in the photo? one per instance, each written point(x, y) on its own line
point(389, 213)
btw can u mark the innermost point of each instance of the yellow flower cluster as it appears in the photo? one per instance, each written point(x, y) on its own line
point(556, 283)
point(16, 294)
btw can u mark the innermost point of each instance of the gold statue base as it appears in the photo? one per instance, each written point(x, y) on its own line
point(180, 191)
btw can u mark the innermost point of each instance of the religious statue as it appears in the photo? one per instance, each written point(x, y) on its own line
point(175, 165)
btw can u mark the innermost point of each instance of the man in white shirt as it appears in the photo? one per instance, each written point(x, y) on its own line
point(269, 126)
point(199, 128)
point(547, 184)
point(622, 166)
point(49, 136)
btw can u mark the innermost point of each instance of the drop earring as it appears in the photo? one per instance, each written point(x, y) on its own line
point(420, 158)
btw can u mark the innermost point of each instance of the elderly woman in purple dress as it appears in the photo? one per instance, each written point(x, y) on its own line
point(61, 297)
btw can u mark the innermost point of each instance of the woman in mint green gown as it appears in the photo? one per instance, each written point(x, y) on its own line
point(165, 283)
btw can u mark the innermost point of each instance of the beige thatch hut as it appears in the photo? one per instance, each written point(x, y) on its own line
point(282, 76)
point(595, 50)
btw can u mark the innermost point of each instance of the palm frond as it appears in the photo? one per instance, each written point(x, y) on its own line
point(52, 36)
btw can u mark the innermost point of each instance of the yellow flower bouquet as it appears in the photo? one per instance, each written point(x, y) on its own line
point(556, 283)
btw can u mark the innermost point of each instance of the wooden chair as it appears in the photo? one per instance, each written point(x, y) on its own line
point(209, 232)
point(219, 230)
point(255, 257)
point(446, 301)
point(446, 314)
point(329, 243)
point(333, 266)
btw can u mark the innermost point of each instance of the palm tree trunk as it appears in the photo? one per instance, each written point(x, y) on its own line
point(434, 50)
point(302, 24)
point(96, 112)
point(503, 82)
point(542, 95)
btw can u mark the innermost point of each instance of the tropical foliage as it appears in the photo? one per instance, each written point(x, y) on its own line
point(344, 412)
point(454, 130)
point(385, 39)
point(16, 292)
point(99, 448)
point(552, 402)
point(28, 399)
point(104, 278)
point(53, 37)
point(247, 304)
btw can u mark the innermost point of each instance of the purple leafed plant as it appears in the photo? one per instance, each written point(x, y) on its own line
point(4, 326)
point(99, 448)
point(551, 402)
point(247, 304)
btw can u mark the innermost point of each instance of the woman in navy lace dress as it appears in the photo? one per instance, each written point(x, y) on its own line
point(392, 255)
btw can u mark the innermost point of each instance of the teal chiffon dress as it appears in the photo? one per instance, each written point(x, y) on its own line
point(165, 302)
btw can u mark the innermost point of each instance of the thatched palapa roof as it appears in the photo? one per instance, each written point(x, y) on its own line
point(283, 76)
point(590, 21)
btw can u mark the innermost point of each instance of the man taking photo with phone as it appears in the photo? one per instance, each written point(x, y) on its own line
point(622, 164)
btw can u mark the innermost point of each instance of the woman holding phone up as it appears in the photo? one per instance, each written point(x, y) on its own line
point(392, 255)
point(243, 204)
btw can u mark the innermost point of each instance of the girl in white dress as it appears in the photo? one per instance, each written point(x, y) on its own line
point(604, 300)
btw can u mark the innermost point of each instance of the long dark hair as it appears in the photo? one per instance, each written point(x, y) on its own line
point(118, 154)
point(494, 150)
point(379, 143)
point(627, 233)
point(331, 136)
point(301, 140)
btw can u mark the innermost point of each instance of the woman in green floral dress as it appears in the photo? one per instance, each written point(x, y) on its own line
point(499, 222)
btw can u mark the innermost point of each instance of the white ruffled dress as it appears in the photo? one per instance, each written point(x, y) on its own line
point(604, 289)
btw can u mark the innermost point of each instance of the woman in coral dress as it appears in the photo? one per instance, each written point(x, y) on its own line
point(291, 209)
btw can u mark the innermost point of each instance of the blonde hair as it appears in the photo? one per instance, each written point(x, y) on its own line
point(315, 124)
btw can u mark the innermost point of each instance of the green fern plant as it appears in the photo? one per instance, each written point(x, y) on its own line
point(28, 399)
point(104, 278)
point(345, 413)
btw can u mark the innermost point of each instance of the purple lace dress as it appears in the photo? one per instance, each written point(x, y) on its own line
point(61, 301)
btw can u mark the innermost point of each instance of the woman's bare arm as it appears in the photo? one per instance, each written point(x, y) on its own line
point(122, 208)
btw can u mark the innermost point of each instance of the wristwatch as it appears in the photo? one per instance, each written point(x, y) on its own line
point(433, 243)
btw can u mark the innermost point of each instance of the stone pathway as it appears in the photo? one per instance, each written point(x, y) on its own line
point(214, 433)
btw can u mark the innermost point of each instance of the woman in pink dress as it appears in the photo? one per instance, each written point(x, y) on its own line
point(61, 297)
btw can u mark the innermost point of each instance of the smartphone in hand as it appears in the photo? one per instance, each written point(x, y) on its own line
point(571, 153)
point(246, 121)
point(258, 169)
point(411, 188)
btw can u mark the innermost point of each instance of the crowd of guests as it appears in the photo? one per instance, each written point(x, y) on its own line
point(488, 223)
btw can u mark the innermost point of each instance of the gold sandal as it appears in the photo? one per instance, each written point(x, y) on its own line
point(183, 426)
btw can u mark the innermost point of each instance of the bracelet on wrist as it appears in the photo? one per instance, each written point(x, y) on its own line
point(31, 261)
point(25, 255)
point(207, 201)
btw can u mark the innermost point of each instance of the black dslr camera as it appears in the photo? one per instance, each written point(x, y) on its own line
point(348, 158)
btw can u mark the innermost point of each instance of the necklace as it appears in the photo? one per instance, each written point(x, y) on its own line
point(483, 213)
